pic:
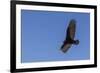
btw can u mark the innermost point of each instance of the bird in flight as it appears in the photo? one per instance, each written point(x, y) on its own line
point(70, 34)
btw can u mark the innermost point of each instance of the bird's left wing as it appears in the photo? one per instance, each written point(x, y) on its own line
point(65, 48)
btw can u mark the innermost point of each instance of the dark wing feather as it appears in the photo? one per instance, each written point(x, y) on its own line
point(70, 34)
point(65, 47)
point(72, 29)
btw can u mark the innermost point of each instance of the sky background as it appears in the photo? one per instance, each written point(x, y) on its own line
point(43, 33)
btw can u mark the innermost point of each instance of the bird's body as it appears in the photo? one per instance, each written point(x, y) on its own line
point(70, 34)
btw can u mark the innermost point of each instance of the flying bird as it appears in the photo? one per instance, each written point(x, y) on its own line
point(70, 34)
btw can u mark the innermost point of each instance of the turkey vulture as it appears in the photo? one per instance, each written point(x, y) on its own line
point(70, 34)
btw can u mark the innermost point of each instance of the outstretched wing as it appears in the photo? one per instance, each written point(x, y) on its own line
point(70, 34)
point(72, 29)
point(65, 47)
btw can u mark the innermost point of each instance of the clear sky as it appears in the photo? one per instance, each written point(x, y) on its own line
point(43, 33)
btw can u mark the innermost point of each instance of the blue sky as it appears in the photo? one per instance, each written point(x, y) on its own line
point(43, 33)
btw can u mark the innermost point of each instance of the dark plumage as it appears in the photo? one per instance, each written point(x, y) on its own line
point(70, 34)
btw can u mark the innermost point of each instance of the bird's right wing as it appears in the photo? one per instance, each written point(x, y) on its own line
point(72, 29)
